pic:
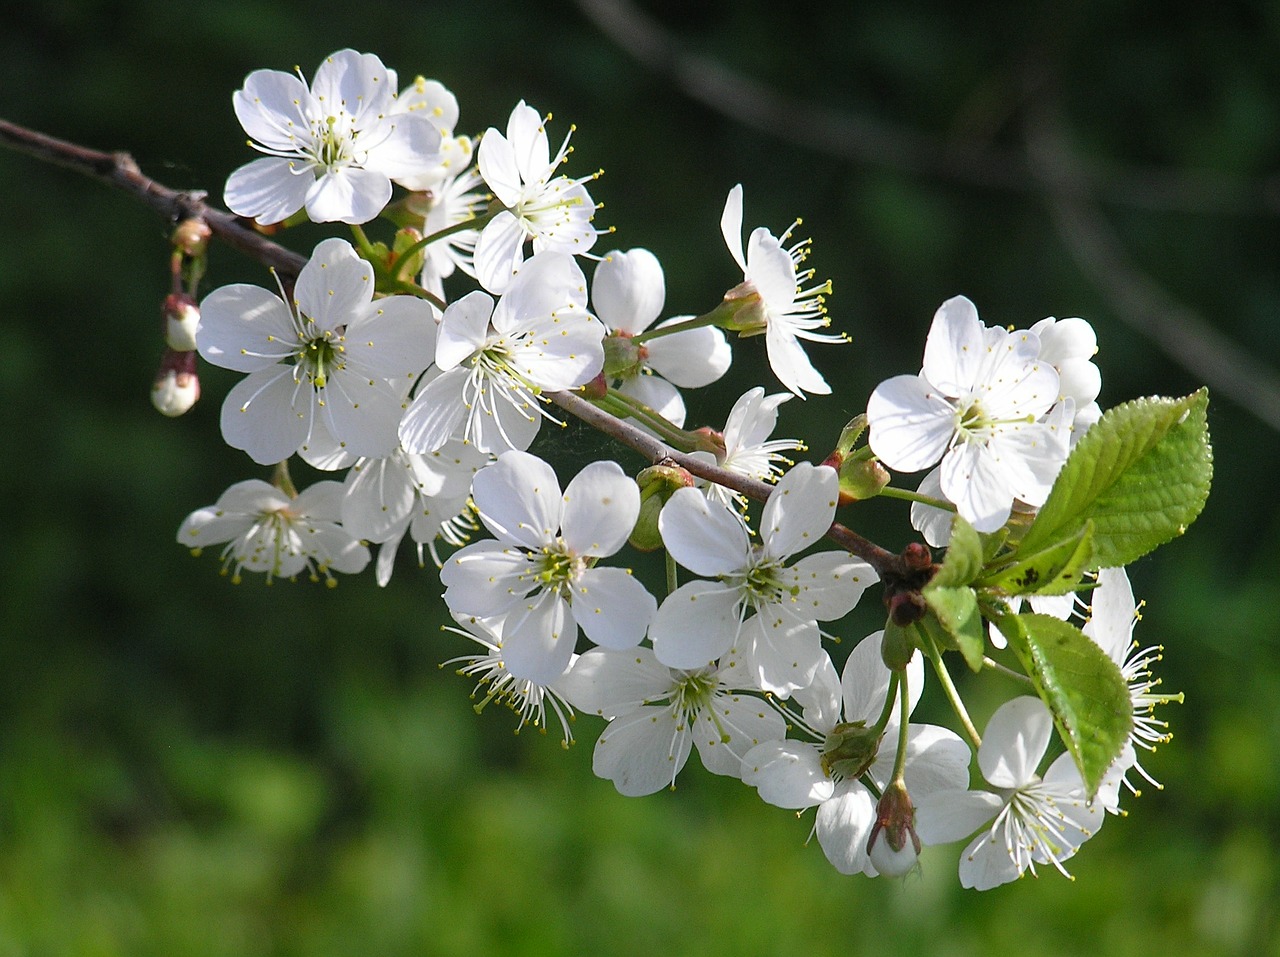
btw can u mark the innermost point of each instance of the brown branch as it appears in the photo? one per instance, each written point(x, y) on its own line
point(120, 170)
point(889, 566)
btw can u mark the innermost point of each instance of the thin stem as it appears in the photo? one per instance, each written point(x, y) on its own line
point(282, 480)
point(651, 417)
point(1007, 671)
point(948, 686)
point(908, 496)
point(890, 699)
point(673, 578)
point(904, 705)
point(697, 322)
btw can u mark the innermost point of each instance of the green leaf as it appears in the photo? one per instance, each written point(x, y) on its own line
point(1082, 687)
point(955, 611)
point(1055, 570)
point(1141, 474)
point(963, 562)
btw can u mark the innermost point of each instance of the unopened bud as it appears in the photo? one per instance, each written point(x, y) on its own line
point(623, 357)
point(176, 387)
point(191, 237)
point(917, 556)
point(657, 484)
point(896, 647)
point(906, 607)
point(181, 316)
point(861, 479)
point(893, 844)
point(405, 239)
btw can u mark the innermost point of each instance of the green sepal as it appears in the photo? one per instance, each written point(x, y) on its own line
point(1141, 474)
point(1081, 686)
point(1055, 570)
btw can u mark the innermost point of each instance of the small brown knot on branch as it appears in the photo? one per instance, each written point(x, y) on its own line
point(903, 583)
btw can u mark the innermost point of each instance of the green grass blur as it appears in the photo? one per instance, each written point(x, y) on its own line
point(189, 767)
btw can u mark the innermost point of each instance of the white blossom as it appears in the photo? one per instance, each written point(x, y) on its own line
point(554, 211)
point(977, 406)
point(700, 621)
point(658, 714)
point(267, 531)
point(331, 365)
point(788, 312)
point(541, 573)
point(333, 147)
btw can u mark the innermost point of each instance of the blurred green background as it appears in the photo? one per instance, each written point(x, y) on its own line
point(192, 768)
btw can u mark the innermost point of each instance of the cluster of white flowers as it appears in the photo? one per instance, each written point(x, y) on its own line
point(430, 396)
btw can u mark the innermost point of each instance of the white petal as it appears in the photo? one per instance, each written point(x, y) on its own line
point(538, 639)
point(464, 328)
point(519, 500)
point(435, 414)
point(948, 815)
point(245, 328)
point(606, 682)
point(800, 509)
point(937, 759)
point(843, 825)
point(1014, 742)
point(690, 359)
point(485, 579)
point(703, 536)
point(272, 109)
point(628, 290)
point(829, 584)
point(784, 653)
point(696, 624)
point(264, 415)
point(601, 504)
point(730, 728)
point(731, 226)
point(392, 338)
point(955, 349)
point(641, 752)
point(911, 423)
point(972, 477)
point(658, 394)
point(865, 681)
point(377, 499)
point(270, 189)
point(348, 195)
point(332, 287)
point(499, 251)
point(612, 608)
point(787, 774)
point(790, 363)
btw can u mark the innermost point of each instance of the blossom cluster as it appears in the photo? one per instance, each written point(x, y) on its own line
point(420, 371)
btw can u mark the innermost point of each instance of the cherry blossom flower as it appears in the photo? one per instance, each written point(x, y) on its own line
point(541, 573)
point(333, 362)
point(333, 147)
point(787, 311)
point(554, 211)
point(267, 531)
point(424, 496)
point(530, 700)
point(1113, 612)
point(329, 369)
point(494, 360)
point(1033, 819)
point(658, 714)
point(700, 621)
point(628, 291)
point(827, 771)
point(745, 446)
point(977, 406)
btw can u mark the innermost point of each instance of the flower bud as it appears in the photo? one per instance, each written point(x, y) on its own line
point(861, 479)
point(181, 316)
point(906, 607)
point(849, 749)
point(191, 237)
point(893, 844)
point(176, 387)
point(896, 647)
point(623, 358)
point(657, 484)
